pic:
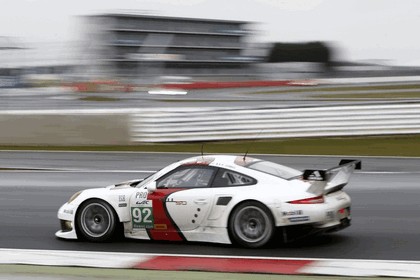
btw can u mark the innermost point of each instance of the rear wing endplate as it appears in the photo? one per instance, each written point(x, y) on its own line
point(324, 175)
point(333, 179)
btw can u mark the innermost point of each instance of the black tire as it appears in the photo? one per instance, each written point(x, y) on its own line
point(251, 225)
point(96, 221)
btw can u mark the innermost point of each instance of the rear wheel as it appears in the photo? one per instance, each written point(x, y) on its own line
point(251, 225)
point(96, 221)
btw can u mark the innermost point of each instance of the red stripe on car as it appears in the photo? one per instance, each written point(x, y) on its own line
point(165, 228)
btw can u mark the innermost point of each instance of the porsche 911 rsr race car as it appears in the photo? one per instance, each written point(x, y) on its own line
point(215, 198)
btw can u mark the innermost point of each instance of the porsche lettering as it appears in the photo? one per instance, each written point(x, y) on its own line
point(177, 202)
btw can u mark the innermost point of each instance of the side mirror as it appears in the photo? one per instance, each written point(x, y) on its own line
point(151, 187)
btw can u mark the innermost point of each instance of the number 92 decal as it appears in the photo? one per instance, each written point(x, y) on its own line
point(142, 217)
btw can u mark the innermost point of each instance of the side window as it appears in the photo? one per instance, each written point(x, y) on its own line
point(226, 178)
point(187, 177)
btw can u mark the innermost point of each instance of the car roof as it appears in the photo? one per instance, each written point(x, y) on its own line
point(218, 160)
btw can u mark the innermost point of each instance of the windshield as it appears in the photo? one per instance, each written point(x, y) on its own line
point(157, 174)
point(275, 169)
point(145, 180)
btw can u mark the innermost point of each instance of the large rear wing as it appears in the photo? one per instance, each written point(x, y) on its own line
point(333, 179)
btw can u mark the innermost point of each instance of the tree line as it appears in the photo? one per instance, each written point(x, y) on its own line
point(300, 52)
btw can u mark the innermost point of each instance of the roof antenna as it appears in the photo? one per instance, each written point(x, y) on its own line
point(246, 153)
point(202, 153)
point(249, 146)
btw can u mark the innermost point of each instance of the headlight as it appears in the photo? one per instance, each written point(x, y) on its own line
point(74, 196)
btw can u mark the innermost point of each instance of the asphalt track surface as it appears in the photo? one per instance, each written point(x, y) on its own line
point(61, 99)
point(385, 210)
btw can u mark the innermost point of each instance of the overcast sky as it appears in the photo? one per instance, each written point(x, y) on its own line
point(361, 29)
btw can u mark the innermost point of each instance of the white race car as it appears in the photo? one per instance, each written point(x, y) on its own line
point(217, 198)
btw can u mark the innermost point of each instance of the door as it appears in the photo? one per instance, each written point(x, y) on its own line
point(188, 195)
point(180, 202)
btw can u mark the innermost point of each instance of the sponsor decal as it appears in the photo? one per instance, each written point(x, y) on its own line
point(177, 202)
point(161, 226)
point(122, 205)
point(330, 215)
point(141, 198)
point(144, 202)
point(141, 195)
point(121, 198)
point(298, 219)
point(316, 176)
point(67, 211)
point(227, 166)
point(292, 213)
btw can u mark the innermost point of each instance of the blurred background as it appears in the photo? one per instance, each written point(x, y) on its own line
point(277, 77)
point(198, 55)
point(144, 42)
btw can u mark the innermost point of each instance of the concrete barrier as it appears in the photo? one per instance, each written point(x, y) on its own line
point(70, 127)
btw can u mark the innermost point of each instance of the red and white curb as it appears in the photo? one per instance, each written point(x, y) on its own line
point(213, 263)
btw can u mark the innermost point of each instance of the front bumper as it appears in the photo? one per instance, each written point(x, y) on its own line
point(66, 215)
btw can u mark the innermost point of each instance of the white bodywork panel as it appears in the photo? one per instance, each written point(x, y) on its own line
point(202, 214)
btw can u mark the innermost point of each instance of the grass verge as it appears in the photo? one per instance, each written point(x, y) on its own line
point(401, 145)
point(51, 272)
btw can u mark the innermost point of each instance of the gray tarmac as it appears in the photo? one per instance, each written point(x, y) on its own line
point(385, 210)
point(59, 99)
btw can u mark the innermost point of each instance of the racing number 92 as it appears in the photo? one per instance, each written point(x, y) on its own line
point(142, 217)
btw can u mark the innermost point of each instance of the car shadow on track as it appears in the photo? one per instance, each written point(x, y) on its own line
point(324, 242)
point(315, 241)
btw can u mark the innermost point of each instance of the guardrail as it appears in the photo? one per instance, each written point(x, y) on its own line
point(131, 126)
point(205, 124)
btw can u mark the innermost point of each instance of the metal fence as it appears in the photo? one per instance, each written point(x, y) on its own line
point(204, 124)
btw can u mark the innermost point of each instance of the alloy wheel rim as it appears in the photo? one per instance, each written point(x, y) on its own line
point(251, 224)
point(95, 220)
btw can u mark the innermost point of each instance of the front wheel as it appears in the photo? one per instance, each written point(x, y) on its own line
point(251, 225)
point(96, 221)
